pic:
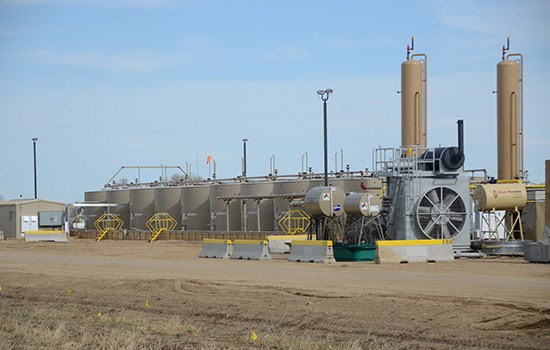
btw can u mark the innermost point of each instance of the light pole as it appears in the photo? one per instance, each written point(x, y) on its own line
point(34, 152)
point(244, 157)
point(324, 95)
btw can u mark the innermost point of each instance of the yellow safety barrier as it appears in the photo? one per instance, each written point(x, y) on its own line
point(414, 251)
point(159, 223)
point(410, 242)
point(312, 243)
point(216, 248)
point(312, 251)
point(106, 223)
point(56, 236)
point(249, 249)
point(295, 221)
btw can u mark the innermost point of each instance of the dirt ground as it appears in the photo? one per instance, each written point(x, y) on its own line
point(133, 295)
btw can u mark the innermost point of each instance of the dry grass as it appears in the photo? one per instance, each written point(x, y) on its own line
point(200, 304)
point(65, 327)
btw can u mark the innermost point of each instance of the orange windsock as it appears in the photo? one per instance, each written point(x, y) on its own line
point(208, 159)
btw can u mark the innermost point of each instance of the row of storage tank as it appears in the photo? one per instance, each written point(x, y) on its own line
point(198, 207)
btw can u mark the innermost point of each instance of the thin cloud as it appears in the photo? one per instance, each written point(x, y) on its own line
point(104, 3)
point(125, 62)
point(285, 54)
point(525, 19)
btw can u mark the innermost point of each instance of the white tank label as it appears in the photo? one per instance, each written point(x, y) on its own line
point(374, 208)
point(326, 197)
point(364, 205)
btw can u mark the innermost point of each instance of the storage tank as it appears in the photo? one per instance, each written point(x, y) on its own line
point(95, 196)
point(358, 184)
point(218, 208)
point(142, 207)
point(168, 200)
point(499, 197)
point(324, 201)
point(121, 197)
point(412, 125)
point(284, 187)
point(91, 214)
point(195, 208)
point(265, 207)
point(507, 120)
point(362, 204)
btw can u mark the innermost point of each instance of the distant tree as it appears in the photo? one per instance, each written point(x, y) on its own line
point(195, 177)
point(121, 182)
point(177, 178)
point(181, 177)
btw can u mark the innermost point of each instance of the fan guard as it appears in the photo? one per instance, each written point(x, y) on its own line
point(441, 213)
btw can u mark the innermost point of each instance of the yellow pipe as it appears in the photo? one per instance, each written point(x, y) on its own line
point(536, 186)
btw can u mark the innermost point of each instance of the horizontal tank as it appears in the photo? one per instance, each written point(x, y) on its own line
point(265, 208)
point(195, 208)
point(370, 185)
point(281, 206)
point(142, 207)
point(121, 197)
point(218, 208)
point(362, 204)
point(168, 200)
point(500, 196)
point(325, 201)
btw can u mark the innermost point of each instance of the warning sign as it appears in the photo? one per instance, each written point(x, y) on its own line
point(326, 197)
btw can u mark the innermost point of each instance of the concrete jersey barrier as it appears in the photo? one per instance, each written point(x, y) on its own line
point(411, 251)
point(281, 243)
point(312, 251)
point(247, 249)
point(537, 252)
point(216, 248)
point(41, 236)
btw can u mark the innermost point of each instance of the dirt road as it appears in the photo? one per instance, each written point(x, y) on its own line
point(132, 294)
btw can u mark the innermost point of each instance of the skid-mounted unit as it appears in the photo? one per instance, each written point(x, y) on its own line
point(425, 196)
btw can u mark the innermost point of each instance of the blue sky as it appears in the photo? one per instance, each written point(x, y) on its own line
point(142, 82)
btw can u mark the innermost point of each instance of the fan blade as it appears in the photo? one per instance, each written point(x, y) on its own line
point(449, 199)
point(433, 197)
point(457, 230)
point(429, 228)
point(455, 217)
point(445, 232)
point(424, 210)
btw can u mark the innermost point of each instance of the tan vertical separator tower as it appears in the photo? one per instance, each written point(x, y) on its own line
point(510, 116)
point(546, 234)
point(414, 83)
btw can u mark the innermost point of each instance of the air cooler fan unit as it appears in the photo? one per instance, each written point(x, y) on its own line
point(441, 213)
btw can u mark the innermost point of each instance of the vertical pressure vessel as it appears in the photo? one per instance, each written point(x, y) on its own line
point(507, 119)
point(411, 103)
